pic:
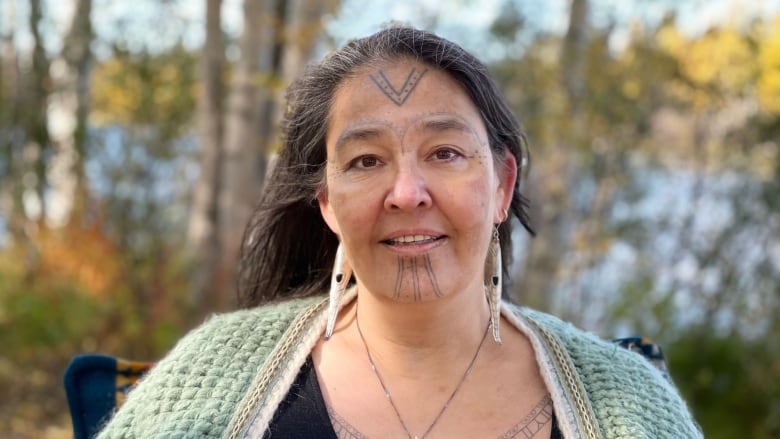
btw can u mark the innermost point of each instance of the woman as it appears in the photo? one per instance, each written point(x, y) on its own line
point(396, 183)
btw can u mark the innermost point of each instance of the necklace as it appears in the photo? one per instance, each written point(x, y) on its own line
point(390, 398)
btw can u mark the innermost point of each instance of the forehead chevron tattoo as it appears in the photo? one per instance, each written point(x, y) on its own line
point(398, 96)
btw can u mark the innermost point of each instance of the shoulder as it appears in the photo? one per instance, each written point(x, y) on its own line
point(193, 391)
point(260, 323)
point(589, 351)
point(244, 336)
point(627, 392)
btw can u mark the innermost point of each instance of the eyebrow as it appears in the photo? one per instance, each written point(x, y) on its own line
point(373, 131)
point(359, 133)
point(446, 124)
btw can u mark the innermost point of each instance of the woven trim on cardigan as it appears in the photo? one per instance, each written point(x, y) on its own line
point(575, 388)
point(251, 421)
point(290, 361)
point(575, 415)
point(273, 367)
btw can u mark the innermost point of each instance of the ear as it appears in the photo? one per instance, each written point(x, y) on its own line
point(326, 211)
point(507, 179)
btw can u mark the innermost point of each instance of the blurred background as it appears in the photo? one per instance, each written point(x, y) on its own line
point(135, 136)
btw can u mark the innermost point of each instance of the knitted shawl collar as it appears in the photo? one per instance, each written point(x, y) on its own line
point(226, 378)
point(576, 415)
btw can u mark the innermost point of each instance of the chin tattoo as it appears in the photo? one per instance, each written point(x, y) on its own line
point(411, 274)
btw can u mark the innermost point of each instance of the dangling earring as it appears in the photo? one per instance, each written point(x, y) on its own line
point(342, 272)
point(493, 283)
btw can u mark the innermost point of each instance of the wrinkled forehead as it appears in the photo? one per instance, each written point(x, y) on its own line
point(395, 79)
point(400, 87)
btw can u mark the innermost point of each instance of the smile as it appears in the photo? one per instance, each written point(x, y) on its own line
point(412, 239)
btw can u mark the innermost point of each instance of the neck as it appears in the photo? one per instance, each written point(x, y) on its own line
point(432, 334)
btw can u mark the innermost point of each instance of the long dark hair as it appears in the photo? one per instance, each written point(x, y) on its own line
point(287, 249)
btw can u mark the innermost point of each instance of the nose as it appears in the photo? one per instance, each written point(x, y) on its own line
point(409, 190)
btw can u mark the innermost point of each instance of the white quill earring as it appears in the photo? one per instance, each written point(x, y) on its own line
point(493, 283)
point(339, 280)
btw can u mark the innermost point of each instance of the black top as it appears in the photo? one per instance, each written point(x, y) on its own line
point(303, 414)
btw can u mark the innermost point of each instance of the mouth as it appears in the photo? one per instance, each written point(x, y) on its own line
point(412, 240)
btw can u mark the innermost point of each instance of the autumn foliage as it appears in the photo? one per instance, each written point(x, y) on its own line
point(655, 187)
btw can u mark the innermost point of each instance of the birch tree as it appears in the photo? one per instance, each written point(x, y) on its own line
point(35, 123)
point(278, 38)
point(203, 236)
point(10, 201)
point(67, 122)
point(543, 270)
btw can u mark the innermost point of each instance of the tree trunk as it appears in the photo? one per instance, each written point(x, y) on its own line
point(68, 111)
point(34, 147)
point(246, 127)
point(38, 146)
point(10, 109)
point(543, 271)
point(278, 39)
point(573, 58)
point(203, 238)
point(303, 27)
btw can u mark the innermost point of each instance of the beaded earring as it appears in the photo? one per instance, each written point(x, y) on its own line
point(493, 283)
point(339, 280)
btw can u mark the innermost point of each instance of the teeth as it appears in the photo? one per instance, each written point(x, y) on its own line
point(411, 238)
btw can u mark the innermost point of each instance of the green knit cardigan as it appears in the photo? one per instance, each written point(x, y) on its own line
point(226, 378)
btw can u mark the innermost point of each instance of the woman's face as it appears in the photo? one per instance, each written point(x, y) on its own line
point(412, 188)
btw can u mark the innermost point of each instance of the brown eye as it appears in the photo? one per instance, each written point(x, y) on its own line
point(364, 162)
point(445, 154)
point(368, 162)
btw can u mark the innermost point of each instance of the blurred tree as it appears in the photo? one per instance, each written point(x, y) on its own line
point(768, 83)
point(143, 105)
point(278, 38)
point(203, 238)
point(731, 383)
point(36, 145)
point(10, 127)
point(247, 121)
point(69, 109)
point(659, 214)
point(572, 63)
point(24, 137)
point(656, 186)
point(561, 100)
